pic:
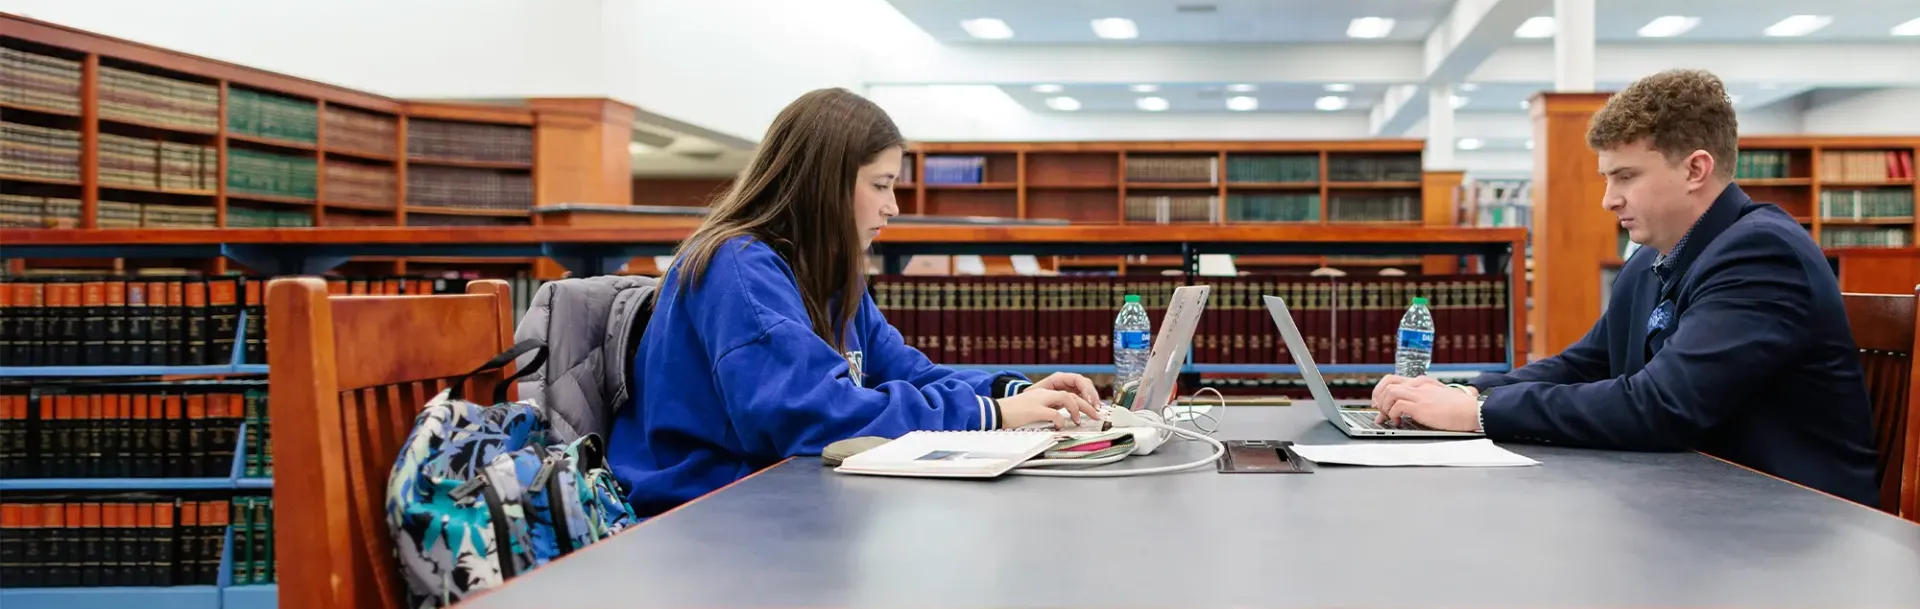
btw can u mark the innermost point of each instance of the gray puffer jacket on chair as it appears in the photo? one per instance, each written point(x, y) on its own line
point(592, 328)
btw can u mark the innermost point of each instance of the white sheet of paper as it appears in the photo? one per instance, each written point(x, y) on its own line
point(969, 265)
point(1452, 453)
point(1026, 265)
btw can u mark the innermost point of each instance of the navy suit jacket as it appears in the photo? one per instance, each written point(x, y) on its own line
point(1757, 366)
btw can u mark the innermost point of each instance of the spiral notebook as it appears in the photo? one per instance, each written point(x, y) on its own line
point(951, 454)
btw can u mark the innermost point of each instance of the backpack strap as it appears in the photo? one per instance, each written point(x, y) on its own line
point(535, 345)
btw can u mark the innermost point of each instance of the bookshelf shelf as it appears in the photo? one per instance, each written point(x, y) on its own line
point(980, 186)
point(1173, 185)
point(271, 143)
point(250, 597)
point(263, 198)
point(171, 597)
point(1271, 185)
point(459, 211)
point(373, 207)
point(374, 157)
point(1373, 185)
point(126, 371)
point(184, 192)
point(34, 180)
point(468, 164)
point(138, 128)
point(1192, 368)
point(20, 107)
point(19, 485)
point(1746, 182)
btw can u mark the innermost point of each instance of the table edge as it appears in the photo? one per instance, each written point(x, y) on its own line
point(650, 520)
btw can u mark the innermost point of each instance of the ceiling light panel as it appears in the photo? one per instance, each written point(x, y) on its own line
point(1330, 103)
point(987, 28)
point(1910, 28)
point(1668, 26)
point(1798, 25)
point(1537, 27)
point(1241, 88)
point(1370, 27)
point(1242, 103)
point(1063, 103)
point(1048, 88)
point(1470, 143)
point(1339, 87)
point(1151, 104)
point(1145, 88)
point(1115, 28)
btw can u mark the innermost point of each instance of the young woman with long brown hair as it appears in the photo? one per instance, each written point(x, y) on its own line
point(764, 343)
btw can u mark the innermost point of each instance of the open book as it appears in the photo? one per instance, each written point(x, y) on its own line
point(951, 454)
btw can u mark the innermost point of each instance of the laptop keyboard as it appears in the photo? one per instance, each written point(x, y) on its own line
point(1364, 420)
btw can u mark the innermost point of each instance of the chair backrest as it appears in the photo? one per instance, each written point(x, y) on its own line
point(1883, 329)
point(347, 375)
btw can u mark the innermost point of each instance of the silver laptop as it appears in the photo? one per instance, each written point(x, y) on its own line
point(1354, 422)
point(1169, 351)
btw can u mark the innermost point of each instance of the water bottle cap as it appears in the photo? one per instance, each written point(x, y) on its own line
point(1420, 300)
point(1133, 298)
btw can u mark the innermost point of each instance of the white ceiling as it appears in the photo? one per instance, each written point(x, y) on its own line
point(1303, 21)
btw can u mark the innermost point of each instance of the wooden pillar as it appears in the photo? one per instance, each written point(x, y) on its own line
point(581, 156)
point(1572, 234)
point(1439, 191)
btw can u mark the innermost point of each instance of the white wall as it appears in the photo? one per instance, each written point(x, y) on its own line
point(400, 48)
point(1864, 112)
point(731, 65)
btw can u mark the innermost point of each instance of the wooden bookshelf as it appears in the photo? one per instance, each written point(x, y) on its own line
point(1852, 193)
point(157, 139)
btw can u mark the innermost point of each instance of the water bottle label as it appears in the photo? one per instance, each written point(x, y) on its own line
point(1130, 339)
point(1416, 339)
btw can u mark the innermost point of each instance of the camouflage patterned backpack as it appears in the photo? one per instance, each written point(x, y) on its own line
point(478, 495)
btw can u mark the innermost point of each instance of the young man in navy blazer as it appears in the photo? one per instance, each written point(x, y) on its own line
point(1725, 332)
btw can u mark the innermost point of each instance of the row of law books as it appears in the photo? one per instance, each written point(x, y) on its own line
point(40, 81)
point(154, 320)
point(138, 97)
point(133, 539)
point(1069, 320)
point(88, 430)
point(459, 141)
point(1866, 165)
point(350, 130)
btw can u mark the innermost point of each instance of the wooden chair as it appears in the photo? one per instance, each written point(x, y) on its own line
point(1883, 329)
point(347, 375)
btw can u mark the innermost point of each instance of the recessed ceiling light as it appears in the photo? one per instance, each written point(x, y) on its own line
point(1339, 87)
point(1470, 143)
point(1151, 104)
point(1063, 104)
point(1241, 88)
point(1798, 25)
point(1734, 99)
point(1529, 144)
point(1145, 88)
point(1115, 28)
point(1670, 25)
point(1242, 103)
point(987, 28)
point(1369, 27)
point(1048, 88)
point(1526, 104)
point(1458, 101)
point(1910, 28)
point(1467, 87)
point(638, 148)
point(1330, 103)
point(1537, 27)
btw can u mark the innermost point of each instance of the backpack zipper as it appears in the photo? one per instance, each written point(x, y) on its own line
point(556, 507)
point(502, 532)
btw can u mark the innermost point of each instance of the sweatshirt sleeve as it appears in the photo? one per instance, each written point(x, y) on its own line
point(786, 391)
point(890, 358)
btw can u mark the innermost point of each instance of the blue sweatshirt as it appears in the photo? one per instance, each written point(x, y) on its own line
point(730, 378)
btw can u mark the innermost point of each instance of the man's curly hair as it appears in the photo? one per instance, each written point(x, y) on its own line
point(1682, 110)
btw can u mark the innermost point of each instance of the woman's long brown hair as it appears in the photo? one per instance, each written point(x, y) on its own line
point(796, 195)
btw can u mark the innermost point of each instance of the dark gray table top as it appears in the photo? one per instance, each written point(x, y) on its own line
point(1585, 529)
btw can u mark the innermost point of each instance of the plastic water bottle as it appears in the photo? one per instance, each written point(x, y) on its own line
point(1132, 332)
point(1415, 351)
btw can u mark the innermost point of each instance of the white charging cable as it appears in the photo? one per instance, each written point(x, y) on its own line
point(1142, 418)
